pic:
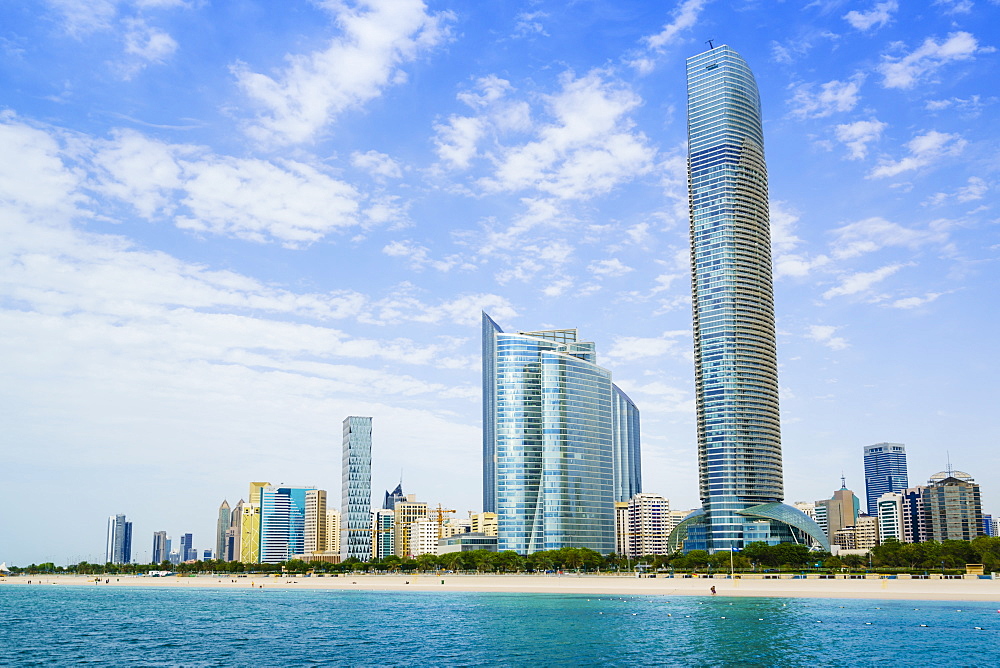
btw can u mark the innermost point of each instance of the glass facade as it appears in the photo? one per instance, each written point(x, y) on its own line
point(282, 522)
point(885, 471)
point(736, 371)
point(554, 458)
point(356, 490)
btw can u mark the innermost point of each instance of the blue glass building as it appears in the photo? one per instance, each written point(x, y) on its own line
point(736, 368)
point(560, 441)
point(885, 471)
point(282, 522)
point(356, 490)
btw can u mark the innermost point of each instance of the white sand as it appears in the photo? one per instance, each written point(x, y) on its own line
point(609, 585)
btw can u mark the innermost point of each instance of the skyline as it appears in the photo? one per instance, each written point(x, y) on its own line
point(218, 242)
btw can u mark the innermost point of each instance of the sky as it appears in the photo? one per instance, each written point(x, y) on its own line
point(226, 226)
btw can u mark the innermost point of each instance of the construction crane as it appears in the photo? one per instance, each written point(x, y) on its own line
point(441, 512)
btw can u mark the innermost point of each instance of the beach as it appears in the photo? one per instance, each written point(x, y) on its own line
point(965, 589)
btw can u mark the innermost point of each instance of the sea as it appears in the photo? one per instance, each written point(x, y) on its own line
point(45, 625)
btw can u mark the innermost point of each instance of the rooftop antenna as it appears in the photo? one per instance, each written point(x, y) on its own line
point(843, 481)
point(948, 453)
point(710, 45)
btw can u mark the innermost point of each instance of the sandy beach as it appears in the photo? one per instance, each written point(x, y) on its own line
point(967, 589)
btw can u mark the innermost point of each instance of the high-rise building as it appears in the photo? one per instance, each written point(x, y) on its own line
point(988, 525)
point(249, 536)
point(282, 522)
point(389, 502)
point(484, 523)
point(915, 528)
point(406, 513)
point(383, 522)
point(222, 525)
point(333, 531)
point(316, 521)
point(644, 525)
point(953, 507)
point(188, 552)
point(234, 533)
point(890, 517)
point(840, 511)
point(885, 471)
point(560, 441)
point(119, 543)
point(161, 547)
point(423, 537)
point(736, 366)
point(860, 536)
point(356, 490)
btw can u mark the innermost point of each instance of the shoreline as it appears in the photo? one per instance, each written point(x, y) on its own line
point(607, 585)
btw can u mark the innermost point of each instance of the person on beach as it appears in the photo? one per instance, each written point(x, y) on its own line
point(713, 590)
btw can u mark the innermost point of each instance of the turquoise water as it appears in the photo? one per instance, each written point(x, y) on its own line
point(61, 625)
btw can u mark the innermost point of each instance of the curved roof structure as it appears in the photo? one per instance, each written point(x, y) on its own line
point(793, 517)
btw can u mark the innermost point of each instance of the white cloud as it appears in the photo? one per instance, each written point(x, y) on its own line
point(862, 281)
point(612, 268)
point(630, 348)
point(830, 97)
point(825, 334)
point(658, 397)
point(974, 189)
point(148, 43)
point(684, 17)
point(873, 234)
point(377, 164)
point(915, 302)
point(457, 140)
point(925, 149)
point(419, 257)
point(379, 36)
point(589, 149)
point(955, 6)
point(876, 17)
point(82, 17)
point(858, 135)
point(907, 71)
point(527, 24)
point(786, 261)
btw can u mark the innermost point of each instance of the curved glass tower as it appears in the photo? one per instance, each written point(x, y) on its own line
point(560, 441)
point(736, 369)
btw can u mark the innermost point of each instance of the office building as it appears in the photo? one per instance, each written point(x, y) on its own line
point(484, 523)
point(860, 536)
point(890, 517)
point(249, 536)
point(467, 542)
point(356, 490)
point(119, 540)
point(915, 528)
point(736, 365)
point(953, 507)
point(644, 525)
point(885, 471)
point(187, 551)
point(390, 499)
point(842, 510)
point(383, 523)
point(988, 525)
point(282, 522)
point(161, 547)
point(232, 545)
point(333, 531)
point(551, 414)
point(424, 537)
point(406, 513)
point(224, 521)
point(316, 522)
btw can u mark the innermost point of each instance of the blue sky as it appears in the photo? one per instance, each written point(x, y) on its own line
point(227, 226)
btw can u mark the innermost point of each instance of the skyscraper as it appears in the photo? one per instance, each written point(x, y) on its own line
point(188, 552)
point(356, 490)
point(885, 471)
point(161, 547)
point(221, 527)
point(282, 522)
point(953, 506)
point(560, 441)
point(119, 542)
point(736, 366)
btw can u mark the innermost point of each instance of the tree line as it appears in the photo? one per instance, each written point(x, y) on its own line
point(891, 555)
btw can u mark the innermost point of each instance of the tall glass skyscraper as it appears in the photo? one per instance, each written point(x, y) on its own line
point(356, 490)
point(119, 543)
point(560, 441)
point(736, 368)
point(885, 471)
